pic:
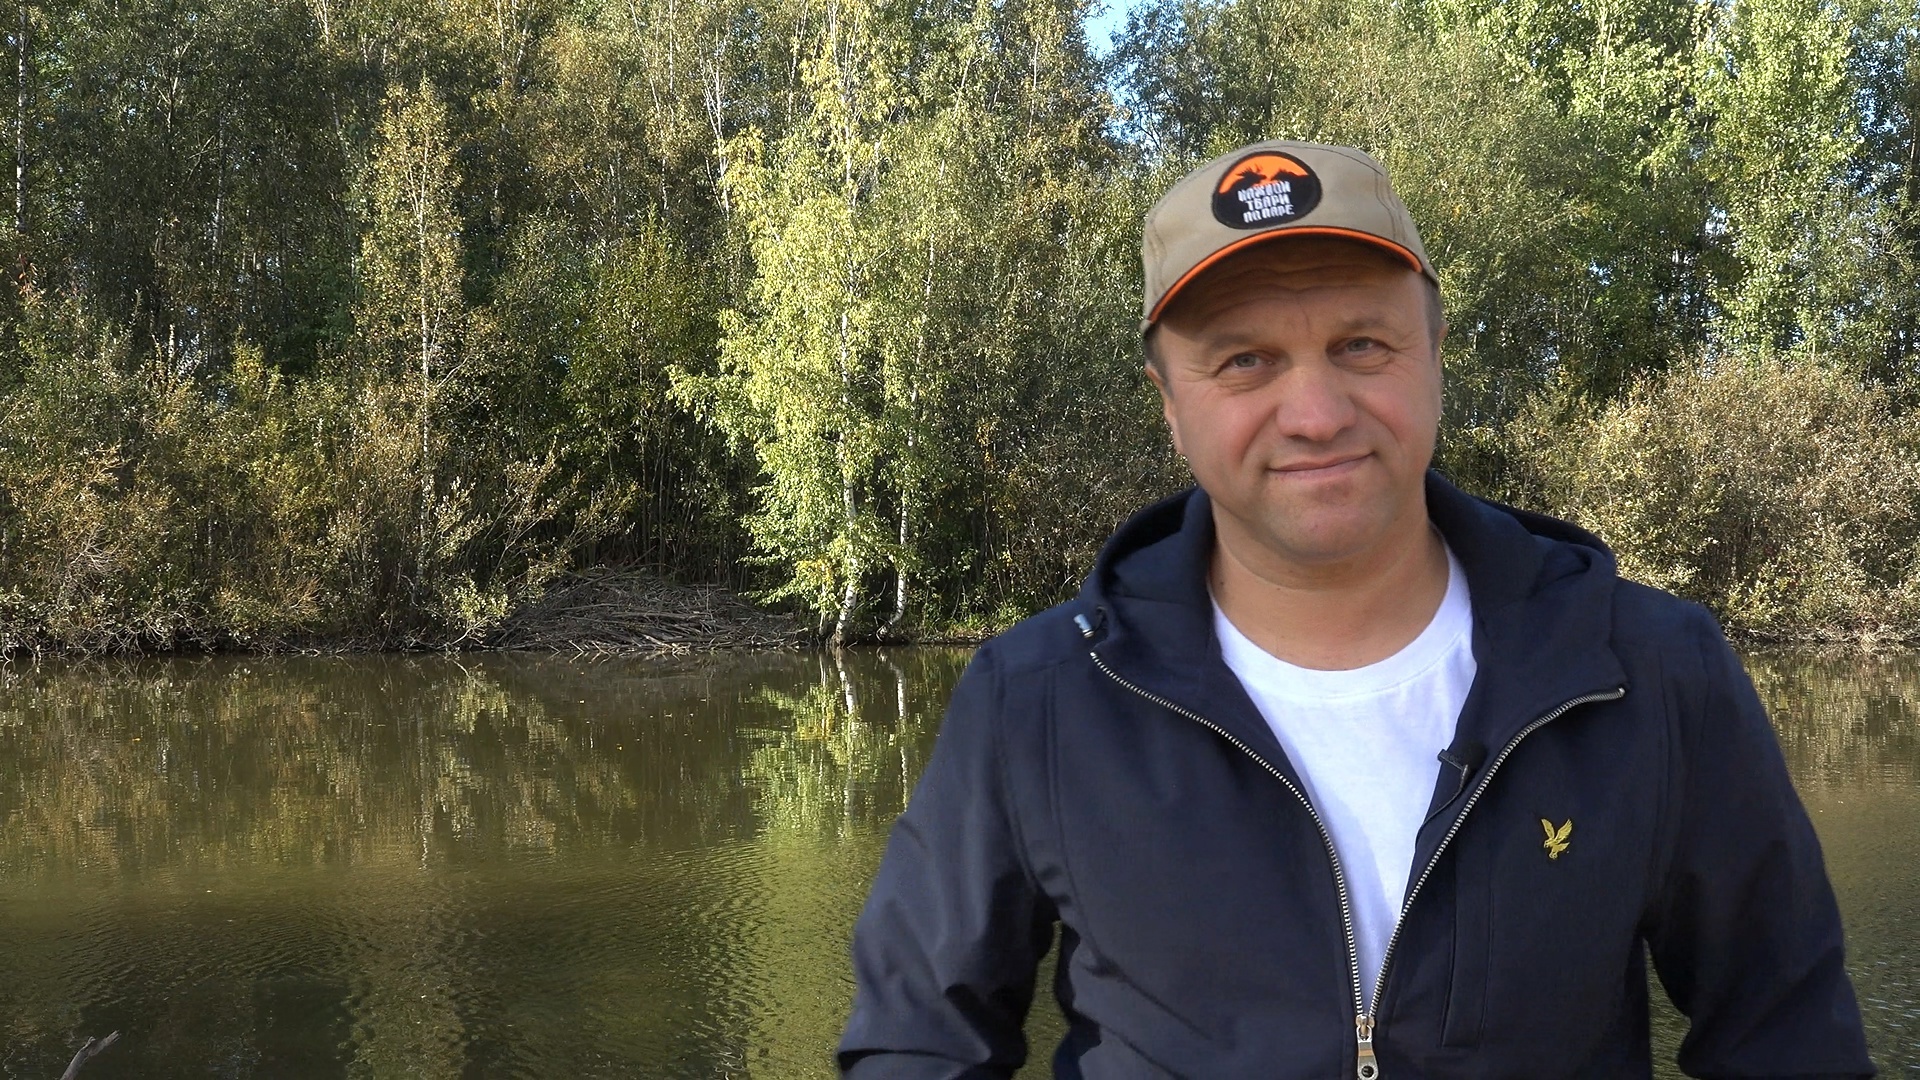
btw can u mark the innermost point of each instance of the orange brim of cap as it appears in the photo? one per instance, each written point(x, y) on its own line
point(1276, 234)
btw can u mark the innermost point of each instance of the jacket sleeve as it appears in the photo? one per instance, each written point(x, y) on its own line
point(945, 951)
point(1745, 934)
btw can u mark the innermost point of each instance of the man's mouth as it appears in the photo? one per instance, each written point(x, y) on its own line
point(1321, 467)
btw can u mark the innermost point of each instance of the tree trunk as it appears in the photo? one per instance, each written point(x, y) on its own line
point(850, 591)
point(20, 45)
point(423, 194)
point(713, 96)
point(849, 508)
point(900, 567)
point(910, 476)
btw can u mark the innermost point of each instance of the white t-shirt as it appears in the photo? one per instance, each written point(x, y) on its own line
point(1366, 743)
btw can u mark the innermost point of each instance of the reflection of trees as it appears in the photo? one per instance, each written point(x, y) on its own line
point(176, 775)
point(402, 760)
point(499, 816)
point(827, 780)
point(849, 750)
point(124, 766)
point(1843, 719)
point(729, 811)
point(1850, 726)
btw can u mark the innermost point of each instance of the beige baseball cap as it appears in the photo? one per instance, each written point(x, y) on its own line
point(1266, 191)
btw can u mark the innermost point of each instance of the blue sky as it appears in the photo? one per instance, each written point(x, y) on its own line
point(1107, 21)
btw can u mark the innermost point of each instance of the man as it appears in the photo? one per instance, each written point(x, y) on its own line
point(1332, 770)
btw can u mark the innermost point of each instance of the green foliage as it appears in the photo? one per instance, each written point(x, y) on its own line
point(1784, 131)
point(359, 321)
point(795, 383)
point(149, 506)
point(411, 252)
point(1783, 495)
point(937, 295)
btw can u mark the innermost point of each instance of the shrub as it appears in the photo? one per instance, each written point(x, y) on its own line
point(1785, 496)
point(147, 504)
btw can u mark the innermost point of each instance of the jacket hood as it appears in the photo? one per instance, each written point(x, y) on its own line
point(1541, 591)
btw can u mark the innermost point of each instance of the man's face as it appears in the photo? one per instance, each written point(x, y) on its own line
point(1301, 381)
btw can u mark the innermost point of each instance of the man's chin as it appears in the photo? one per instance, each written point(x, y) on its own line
point(1329, 544)
point(1309, 533)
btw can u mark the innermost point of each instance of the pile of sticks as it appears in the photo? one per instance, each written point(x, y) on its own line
point(626, 612)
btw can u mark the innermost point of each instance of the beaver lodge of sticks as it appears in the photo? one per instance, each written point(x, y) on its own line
point(629, 611)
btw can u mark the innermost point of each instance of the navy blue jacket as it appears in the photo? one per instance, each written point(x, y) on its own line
point(1101, 770)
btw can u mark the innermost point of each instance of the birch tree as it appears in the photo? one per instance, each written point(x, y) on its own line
point(411, 310)
point(796, 384)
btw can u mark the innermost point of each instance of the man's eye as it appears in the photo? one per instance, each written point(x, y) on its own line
point(1244, 361)
point(1361, 344)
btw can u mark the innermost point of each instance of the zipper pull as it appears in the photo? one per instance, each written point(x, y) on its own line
point(1369, 1068)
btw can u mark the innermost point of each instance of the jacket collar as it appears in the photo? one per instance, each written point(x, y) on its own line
point(1542, 595)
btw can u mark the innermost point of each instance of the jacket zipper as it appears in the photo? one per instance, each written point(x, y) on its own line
point(1367, 1066)
point(1486, 778)
point(1368, 1070)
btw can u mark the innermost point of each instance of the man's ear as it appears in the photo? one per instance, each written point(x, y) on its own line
point(1166, 406)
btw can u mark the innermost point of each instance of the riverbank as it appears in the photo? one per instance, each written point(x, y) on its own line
point(1783, 497)
point(612, 611)
point(601, 611)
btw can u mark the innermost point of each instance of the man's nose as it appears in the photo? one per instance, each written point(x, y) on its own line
point(1313, 403)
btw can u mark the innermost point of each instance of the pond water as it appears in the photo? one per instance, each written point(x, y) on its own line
point(515, 866)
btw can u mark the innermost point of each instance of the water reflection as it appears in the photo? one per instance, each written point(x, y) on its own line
point(1849, 726)
point(508, 866)
point(434, 867)
point(837, 761)
point(1844, 720)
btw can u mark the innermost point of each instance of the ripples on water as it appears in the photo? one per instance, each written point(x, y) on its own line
point(521, 867)
point(438, 867)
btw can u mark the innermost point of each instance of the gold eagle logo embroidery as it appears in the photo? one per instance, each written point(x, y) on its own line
point(1556, 838)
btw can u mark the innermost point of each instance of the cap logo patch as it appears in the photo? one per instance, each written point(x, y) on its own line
point(1265, 189)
